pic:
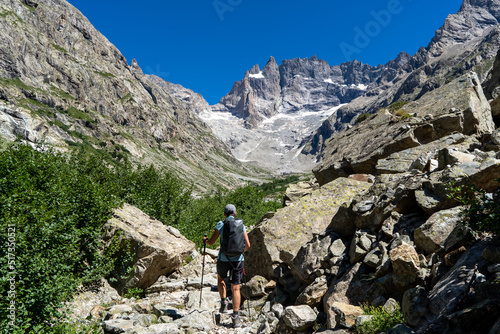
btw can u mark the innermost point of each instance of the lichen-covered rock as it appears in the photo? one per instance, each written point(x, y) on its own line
point(296, 191)
point(442, 231)
point(158, 249)
point(459, 106)
point(405, 264)
point(279, 239)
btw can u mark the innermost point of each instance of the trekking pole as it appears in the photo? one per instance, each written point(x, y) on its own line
point(246, 288)
point(203, 266)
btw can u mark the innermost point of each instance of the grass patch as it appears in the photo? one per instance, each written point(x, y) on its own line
point(105, 74)
point(127, 98)
point(59, 48)
point(362, 118)
point(17, 83)
point(78, 114)
point(397, 105)
point(59, 92)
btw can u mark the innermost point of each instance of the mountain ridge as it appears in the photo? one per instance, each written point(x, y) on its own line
point(70, 87)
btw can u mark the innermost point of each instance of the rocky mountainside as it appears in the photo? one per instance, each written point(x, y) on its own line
point(267, 115)
point(380, 230)
point(63, 83)
point(281, 115)
point(468, 40)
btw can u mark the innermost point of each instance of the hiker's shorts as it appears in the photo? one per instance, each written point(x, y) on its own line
point(235, 270)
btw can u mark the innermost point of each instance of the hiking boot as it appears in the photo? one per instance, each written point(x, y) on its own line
point(224, 308)
point(236, 321)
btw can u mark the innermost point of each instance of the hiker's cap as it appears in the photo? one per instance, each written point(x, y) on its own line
point(230, 209)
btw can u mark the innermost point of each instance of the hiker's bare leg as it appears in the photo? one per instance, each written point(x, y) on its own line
point(221, 285)
point(235, 289)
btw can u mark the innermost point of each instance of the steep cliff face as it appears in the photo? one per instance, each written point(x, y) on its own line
point(294, 86)
point(468, 40)
point(64, 83)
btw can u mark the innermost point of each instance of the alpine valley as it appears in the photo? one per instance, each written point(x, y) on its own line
point(402, 213)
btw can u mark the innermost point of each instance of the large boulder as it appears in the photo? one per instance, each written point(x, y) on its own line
point(408, 159)
point(299, 317)
point(443, 231)
point(459, 106)
point(278, 239)
point(405, 264)
point(345, 315)
point(156, 249)
point(451, 289)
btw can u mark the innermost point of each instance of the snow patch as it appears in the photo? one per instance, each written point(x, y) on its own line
point(360, 86)
point(257, 76)
point(330, 81)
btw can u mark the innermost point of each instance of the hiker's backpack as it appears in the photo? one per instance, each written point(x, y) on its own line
point(233, 237)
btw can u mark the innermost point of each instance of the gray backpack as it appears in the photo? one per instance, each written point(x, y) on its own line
point(233, 237)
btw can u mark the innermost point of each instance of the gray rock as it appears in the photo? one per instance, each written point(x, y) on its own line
point(195, 282)
point(360, 245)
point(313, 293)
point(447, 293)
point(256, 287)
point(494, 268)
point(210, 299)
point(382, 135)
point(492, 254)
point(311, 257)
point(167, 328)
point(279, 239)
point(159, 252)
point(196, 321)
point(299, 317)
point(166, 287)
point(442, 231)
point(414, 307)
point(345, 315)
point(278, 310)
point(118, 325)
point(400, 329)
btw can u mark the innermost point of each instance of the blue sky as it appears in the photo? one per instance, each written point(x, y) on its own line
point(207, 45)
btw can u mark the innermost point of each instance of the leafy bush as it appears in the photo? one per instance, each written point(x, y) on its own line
point(381, 321)
point(482, 213)
point(53, 207)
point(362, 118)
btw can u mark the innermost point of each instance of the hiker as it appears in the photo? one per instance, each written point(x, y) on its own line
point(230, 259)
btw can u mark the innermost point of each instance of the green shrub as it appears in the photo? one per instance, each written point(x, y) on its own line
point(397, 105)
point(136, 293)
point(362, 118)
point(482, 212)
point(381, 321)
point(55, 206)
